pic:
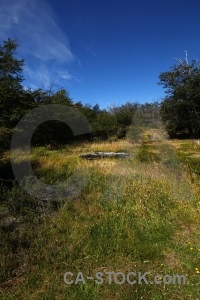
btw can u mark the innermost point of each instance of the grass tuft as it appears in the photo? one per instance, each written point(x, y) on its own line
point(138, 214)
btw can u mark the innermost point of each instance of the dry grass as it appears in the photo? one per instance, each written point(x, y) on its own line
point(129, 217)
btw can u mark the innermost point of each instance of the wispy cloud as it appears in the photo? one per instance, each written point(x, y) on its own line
point(90, 50)
point(43, 44)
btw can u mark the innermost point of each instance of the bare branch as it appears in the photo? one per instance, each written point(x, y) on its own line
point(179, 59)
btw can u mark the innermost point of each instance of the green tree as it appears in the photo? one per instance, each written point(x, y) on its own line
point(124, 114)
point(180, 109)
point(12, 96)
point(104, 124)
point(53, 132)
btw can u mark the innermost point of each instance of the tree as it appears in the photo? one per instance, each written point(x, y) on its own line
point(12, 97)
point(104, 124)
point(124, 114)
point(180, 109)
point(53, 132)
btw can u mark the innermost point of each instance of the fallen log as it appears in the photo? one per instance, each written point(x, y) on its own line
point(96, 155)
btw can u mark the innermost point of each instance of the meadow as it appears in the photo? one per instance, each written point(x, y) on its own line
point(134, 214)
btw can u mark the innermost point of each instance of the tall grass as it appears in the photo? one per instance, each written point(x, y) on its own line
point(127, 217)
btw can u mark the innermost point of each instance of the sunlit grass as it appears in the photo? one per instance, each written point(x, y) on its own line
point(130, 216)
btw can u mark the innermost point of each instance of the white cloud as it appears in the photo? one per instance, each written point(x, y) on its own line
point(45, 77)
point(40, 74)
point(67, 75)
point(43, 44)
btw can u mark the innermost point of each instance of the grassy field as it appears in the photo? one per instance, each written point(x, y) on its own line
point(136, 214)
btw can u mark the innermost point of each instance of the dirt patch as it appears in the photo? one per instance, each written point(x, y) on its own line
point(172, 261)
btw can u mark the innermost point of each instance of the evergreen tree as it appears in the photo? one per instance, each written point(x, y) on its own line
point(12, 98)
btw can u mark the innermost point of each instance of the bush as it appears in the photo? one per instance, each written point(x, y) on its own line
point(5, 138)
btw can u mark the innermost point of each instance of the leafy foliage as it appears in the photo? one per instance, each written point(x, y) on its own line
point(180, 109)
point(14, 101)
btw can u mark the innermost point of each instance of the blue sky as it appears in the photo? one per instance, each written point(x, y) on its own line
point(105, 52)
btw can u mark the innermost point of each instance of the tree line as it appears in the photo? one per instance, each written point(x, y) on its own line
point(180, 109)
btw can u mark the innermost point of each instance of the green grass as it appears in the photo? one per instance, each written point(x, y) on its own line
point(147, 151)
point(132, 214)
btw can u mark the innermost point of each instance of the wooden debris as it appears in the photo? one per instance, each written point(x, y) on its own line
point(96, 155)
